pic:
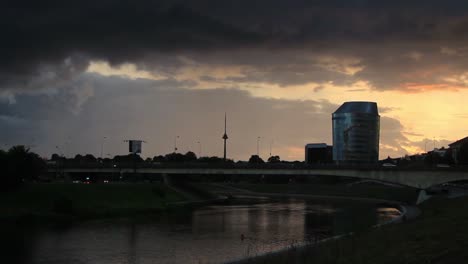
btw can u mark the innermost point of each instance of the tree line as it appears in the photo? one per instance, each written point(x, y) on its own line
point(174, 157)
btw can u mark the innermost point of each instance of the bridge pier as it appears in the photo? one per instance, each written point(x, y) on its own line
point(166, 179)
point(422, 196)
point(67, 177)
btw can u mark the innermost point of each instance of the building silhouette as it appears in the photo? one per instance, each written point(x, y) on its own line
point(356, 131)
point(318, 153)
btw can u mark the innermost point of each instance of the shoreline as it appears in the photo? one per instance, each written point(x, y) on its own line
point(407, 212)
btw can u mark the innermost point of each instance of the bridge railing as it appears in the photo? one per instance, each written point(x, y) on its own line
point(70, 164)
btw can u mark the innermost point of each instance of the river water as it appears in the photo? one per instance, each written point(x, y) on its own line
point(211, 234)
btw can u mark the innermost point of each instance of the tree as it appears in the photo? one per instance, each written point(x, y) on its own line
point(212, 159)
point(190, 156)
point(20, 165)
point(174, 157)
point(159, 158)
point(55, 157)
point(255, 159)
point(89, 158)
point(130, 158)
point(274, 159)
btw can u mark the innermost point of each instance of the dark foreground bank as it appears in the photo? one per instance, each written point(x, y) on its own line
point(43, 202)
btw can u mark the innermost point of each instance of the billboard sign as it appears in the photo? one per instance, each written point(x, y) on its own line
point(134, 146)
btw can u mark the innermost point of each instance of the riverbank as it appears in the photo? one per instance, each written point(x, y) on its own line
point(438, 235)
point(361, 192)
point(45, 202)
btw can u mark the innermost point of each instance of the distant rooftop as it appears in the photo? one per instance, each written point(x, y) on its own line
point(316, 145)
point(458, 142)
point(358, 107)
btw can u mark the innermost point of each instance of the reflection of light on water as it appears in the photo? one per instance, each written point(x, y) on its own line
point(212, 234)
point(387, 213)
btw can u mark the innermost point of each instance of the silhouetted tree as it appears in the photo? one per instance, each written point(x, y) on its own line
point(255, 159)
point(89, 158)
point(19, 165)
point(55, 157)
point(130, 158)
point(190, 156)
point(174, 157)
point(159, 158)
point(212, 159)
point(274, 159)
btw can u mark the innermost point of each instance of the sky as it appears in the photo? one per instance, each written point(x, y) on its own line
point(79, 77)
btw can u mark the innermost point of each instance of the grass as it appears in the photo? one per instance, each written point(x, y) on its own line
point(439, 235)
point(85, 201)
point(404, 194)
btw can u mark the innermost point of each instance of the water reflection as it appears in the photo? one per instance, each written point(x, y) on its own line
point(212, 234)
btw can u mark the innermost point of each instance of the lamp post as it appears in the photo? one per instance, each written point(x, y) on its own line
point(199, 149)
point(66, 147)
point(258, 146)
point(175, 143)
point(271, 144)
point(102, 146)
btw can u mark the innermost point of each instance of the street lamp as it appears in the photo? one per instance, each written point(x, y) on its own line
point(199, 149)
point(271, 143)
point(102, 145)
point(175, 143)
point(258, 146)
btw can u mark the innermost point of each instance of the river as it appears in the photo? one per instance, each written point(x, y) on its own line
point(211, 234)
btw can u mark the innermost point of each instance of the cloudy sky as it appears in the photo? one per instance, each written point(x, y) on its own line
point(78, 75)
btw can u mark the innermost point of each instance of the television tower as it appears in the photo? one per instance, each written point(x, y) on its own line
point(225, 137)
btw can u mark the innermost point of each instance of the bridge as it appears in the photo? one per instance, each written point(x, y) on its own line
point(421, 179)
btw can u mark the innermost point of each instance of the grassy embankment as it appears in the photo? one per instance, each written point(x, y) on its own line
point(404, 194)
point(79, 201)
point(439, 235)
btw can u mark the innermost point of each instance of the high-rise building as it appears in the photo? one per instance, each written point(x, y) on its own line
point(356, 130)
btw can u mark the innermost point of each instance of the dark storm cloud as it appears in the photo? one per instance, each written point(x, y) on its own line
point(41, 39)
point(50, 42)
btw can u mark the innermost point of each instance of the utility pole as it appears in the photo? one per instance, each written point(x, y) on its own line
point(271, 143)
point(225, 136)
point(258, 146)
point(102, 146)
point(199, 149)
point(175, 143)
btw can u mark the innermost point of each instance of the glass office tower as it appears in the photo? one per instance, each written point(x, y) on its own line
point(356, 130)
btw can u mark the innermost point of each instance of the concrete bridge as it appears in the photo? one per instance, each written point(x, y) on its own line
point(421, 179)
